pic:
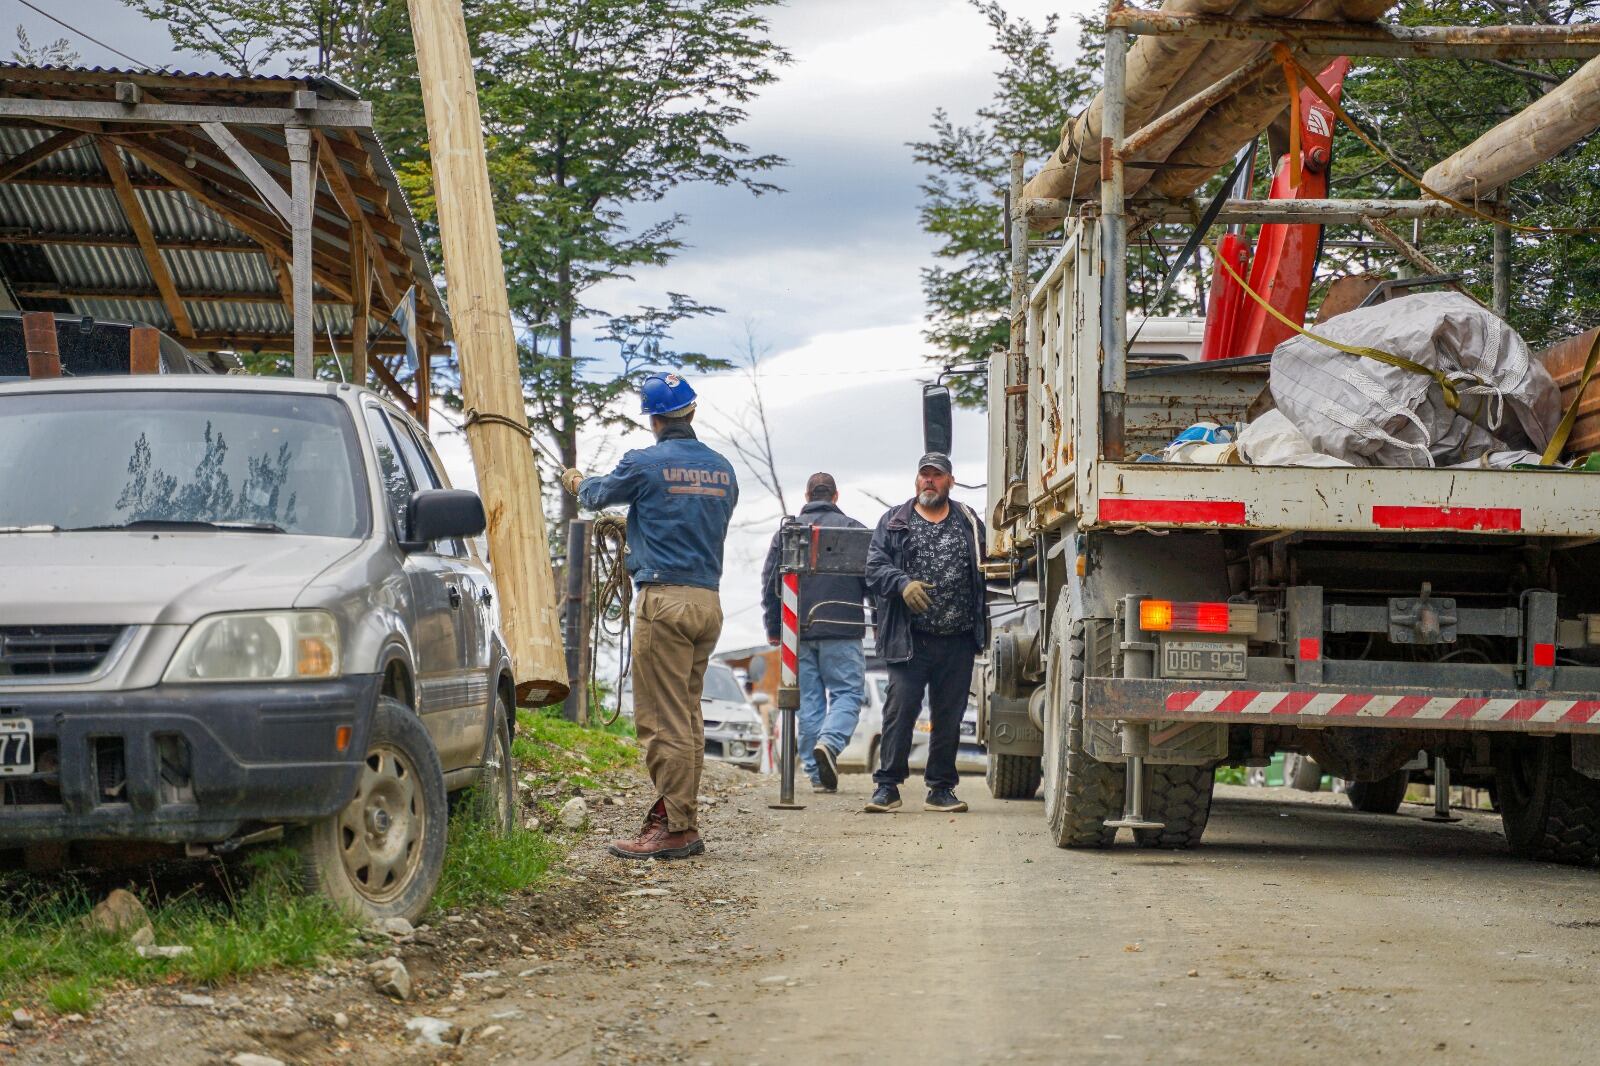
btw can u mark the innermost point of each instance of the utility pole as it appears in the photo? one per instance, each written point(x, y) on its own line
point(491, 385)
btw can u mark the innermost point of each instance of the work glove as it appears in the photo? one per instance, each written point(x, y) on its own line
point(916, 596)
point(571, 479)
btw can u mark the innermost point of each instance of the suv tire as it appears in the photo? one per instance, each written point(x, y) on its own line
point(493, 800)
point(1013, 777)
point(382, 854)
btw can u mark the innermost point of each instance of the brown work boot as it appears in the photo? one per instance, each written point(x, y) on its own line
point(659, 842)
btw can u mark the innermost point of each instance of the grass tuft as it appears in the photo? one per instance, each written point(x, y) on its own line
point(548, 745)
point(485, 866)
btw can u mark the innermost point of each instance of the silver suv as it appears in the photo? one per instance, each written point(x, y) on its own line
point(240, 609)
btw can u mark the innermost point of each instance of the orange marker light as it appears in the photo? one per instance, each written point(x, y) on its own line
point(341, 739)
point(1155, 616)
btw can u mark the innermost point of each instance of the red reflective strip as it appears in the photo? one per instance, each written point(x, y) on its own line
point(1349, 705)
point(1235, 701)
point(1465, 708)
point(1310, 648)
point(1186, 512)
point(1582, 711)
point(1386, 516)
point(1406, 707)
point(1522, 710)
point(790, 619)
point(1180, 701)
point(1293, 702)
point(1544, 655)
point(791, 660)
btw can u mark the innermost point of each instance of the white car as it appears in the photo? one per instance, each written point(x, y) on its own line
point(733, 726)
point(861, 754)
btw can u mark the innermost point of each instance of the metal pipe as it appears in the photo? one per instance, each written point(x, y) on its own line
point(298, 140)
point(1113, 249)
point(787, 756)
point(1371, 39)
point(1314, 212)
point(1200, 101)
point(788, 687)
point(1441, 793)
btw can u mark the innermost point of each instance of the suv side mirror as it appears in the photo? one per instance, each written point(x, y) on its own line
point(442, 514)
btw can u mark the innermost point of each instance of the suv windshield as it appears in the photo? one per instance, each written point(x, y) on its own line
point(237, 460)
point(720, 684)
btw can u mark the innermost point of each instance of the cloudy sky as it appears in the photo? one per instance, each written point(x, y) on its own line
point(824, 275)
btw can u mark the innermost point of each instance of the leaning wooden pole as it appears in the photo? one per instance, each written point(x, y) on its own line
point(491, 385)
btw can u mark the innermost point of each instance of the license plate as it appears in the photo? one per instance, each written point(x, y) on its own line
point(16, 746)
point(1202, 658)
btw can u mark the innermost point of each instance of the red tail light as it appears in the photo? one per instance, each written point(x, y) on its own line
point(1165, 616)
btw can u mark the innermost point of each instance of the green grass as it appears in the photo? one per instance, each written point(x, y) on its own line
point(47, 953)
point(256, 918)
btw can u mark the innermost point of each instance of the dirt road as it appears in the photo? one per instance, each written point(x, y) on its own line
point(1301, 932)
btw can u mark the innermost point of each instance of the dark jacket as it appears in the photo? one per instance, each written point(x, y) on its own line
point(680, 495)
point(833, 622)
point(886, 576)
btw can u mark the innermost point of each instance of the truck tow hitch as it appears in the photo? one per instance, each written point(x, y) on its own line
point(1135, 745)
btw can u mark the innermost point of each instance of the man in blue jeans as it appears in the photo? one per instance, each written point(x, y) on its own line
point(832, 663)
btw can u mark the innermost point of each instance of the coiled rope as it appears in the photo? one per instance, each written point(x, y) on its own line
point(613, 602)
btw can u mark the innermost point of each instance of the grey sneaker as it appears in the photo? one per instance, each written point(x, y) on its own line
point(827, 766)
point(884, 800)
point(943, 799)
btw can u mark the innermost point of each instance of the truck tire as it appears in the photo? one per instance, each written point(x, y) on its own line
point(1180, 798)
point(382, 854)
point(1080, 792)
point(1550, 811)
point(1380, 797)
point(1013, 777)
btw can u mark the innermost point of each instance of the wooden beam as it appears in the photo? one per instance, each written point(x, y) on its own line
point(213, 340)
point(345, 195)
point(491, 381)
point(392, 383)
point(234, 214)
point(384, 210)
point(95, 240)
point(360, 311)
point(133, 211)
point(45, 291)
point(41, 151)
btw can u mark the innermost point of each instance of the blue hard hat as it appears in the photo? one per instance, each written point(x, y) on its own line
point(664, 394)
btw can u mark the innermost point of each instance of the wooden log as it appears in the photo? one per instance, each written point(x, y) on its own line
point(1539, 132)
point(39, 339)
point(144, 350)
point(491, 383)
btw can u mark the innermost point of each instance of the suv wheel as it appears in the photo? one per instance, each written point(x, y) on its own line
point(381, 856)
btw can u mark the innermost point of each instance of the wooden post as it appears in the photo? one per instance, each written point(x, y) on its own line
point(491, 384)
point(577, 620)
point(144, 350)
point(419, 344)
point(298, 139)
point(39, 338)
point(360, 305)
point(1501, 260)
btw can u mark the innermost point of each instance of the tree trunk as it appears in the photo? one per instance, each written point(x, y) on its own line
point(568, 400)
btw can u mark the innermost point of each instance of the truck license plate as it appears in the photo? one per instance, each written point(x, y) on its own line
point(1202, 658)
point(16, 746)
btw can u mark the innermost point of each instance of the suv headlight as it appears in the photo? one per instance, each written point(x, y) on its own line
point(258, 646)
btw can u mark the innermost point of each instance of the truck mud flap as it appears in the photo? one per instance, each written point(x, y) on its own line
point(1009, 730)
point(1325, 707)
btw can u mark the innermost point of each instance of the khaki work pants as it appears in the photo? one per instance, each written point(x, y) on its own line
point(675, 629)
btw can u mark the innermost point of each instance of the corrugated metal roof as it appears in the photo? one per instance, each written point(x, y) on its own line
point(66, 246)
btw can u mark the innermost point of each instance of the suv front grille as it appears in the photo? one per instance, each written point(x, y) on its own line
point(54, 651)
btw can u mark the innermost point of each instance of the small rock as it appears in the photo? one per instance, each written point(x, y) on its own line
point(189, 999)
point(648, 892)
point(775, 979)
point(341, 1021)
point(574, 813)
point(480, 975)
point(703, 984)
point(143, 937)
point(434, 1031)
point(390, 977)
point(397, 927)
point(120, 914)
point(167, 951)
point(246, 1058)
point(1192, 973)
point(491, 1030)
point(21, 1019)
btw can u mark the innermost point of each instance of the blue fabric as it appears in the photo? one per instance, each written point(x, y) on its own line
point(832, 684)
point(680, 496)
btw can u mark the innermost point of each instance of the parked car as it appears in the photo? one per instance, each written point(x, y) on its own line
point(733, 726)
point(237, 610)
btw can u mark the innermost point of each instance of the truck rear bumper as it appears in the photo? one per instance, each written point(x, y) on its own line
point(184, 763)
point(1328, 706)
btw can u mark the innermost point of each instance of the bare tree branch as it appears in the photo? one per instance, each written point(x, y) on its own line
point(750, 435)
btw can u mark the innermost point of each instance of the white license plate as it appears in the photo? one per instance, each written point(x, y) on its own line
point(1202, 658)
point(16, 746)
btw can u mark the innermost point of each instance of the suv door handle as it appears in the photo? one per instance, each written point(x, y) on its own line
point(455, 597)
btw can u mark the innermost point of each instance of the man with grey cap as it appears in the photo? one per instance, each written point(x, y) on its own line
point(925, 569)
point(832, 664)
